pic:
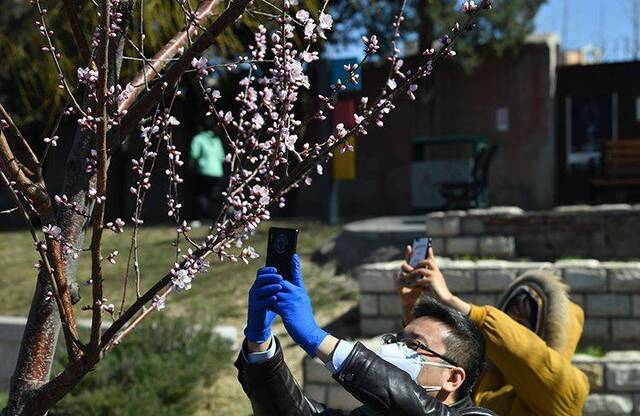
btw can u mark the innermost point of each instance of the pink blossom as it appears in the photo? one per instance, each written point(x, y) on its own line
point(111, 258)
point(302, 15)
point(309, 28)
point(200, 65)
point(309, 56)
point(262, 192)
point(326, 21)
point(53, 231)
point(469, 7)
point(87, 75)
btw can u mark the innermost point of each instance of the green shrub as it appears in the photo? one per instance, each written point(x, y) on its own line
point(159, 369)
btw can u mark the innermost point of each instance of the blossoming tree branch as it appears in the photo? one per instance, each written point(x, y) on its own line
point(269, 153)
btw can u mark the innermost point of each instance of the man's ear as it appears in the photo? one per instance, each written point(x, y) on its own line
point(457, 376)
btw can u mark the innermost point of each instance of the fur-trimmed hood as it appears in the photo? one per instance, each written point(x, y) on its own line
point(563, 320)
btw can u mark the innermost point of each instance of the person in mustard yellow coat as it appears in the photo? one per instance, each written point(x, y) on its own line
point(530, 340)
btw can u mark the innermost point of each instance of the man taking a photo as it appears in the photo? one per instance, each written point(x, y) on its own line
point(428, 369)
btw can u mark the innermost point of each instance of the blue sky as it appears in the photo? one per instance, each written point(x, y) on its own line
point(604, 23)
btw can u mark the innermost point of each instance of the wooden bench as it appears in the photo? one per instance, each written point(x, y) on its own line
point(620, 166)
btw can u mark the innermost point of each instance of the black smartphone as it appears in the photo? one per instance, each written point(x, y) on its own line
point(282, 245)
point(420, 250)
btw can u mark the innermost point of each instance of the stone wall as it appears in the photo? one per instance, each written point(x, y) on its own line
point(614, 380)
point(609, 293)
point(605, 232)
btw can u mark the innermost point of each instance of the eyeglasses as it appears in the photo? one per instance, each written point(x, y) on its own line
point(415, 345)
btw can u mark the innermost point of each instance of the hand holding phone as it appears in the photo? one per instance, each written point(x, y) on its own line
point(282, 245)
point(419, 250)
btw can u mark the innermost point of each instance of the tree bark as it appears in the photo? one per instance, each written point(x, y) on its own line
point(31, 391)
point(39, 340)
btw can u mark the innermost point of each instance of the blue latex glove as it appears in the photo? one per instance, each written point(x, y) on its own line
point(294, 306)
point(262, 296)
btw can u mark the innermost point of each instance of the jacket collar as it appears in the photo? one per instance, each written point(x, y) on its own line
point(463, 403)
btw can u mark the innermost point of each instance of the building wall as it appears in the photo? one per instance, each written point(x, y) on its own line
point(457, 103)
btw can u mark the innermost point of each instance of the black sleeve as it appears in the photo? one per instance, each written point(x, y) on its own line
point(384, 388)
point(272, 389)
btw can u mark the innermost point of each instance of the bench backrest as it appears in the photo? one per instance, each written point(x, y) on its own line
point(622, 158)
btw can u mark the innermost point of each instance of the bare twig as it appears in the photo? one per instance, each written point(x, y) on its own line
point(101, 147)
point(168, 51)
point(150, 98)
point(76, 30)
point(33, 160)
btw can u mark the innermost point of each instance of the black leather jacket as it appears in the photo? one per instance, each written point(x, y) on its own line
point(382, 387)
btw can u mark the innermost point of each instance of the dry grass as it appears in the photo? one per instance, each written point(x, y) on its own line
point(220, 294)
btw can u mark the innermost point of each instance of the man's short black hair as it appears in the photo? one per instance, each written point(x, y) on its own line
point(464, 344)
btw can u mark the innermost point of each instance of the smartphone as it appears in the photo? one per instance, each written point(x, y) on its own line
point(282, 245)
point(420, 250)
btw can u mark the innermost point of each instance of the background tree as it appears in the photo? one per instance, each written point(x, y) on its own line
point(502, 31)
point(270, 152)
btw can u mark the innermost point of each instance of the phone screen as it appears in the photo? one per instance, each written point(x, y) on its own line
point(282, 245)
point(420, 250)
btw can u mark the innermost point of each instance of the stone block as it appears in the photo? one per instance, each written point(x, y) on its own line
point(473, 225)
point(596, 328)
point(608, 305)
point(585, 279)
point(525, 266)
point(389, 305)
point(611, 207)
point(339, 398)
point(377, 281)
point(443, 226)
point(314, 371)
point(626, 330)
point(594, 369)
point(497, 210)
point(439, 245)
point(572, 209)
point(369, 304)
point(608, 405)
point(623, 376)
point(636, 305)
point(11, 328)
point(623, 356)
point(9, 353)
point(460, 279)
point(497, 246)
point(579, 300)
point(378, 326)
point(624, 278)
point(494, 280)
point(462, 246)
point(317, 392)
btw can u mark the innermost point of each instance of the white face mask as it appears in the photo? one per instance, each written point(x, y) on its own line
point(409, 361)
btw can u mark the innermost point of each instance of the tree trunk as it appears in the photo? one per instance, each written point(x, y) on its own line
point(36, 350)
point(39, 340)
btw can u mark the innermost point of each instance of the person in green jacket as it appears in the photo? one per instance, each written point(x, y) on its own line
point(206, 157)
